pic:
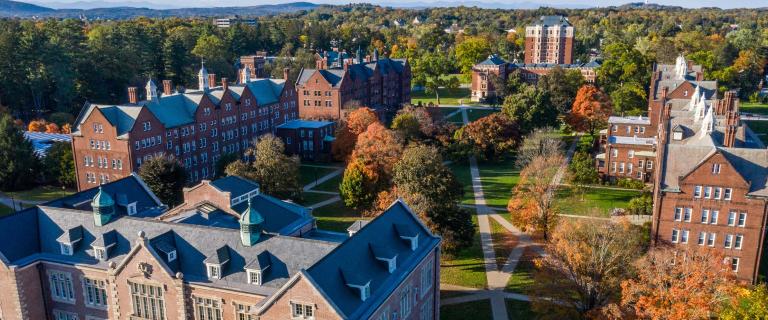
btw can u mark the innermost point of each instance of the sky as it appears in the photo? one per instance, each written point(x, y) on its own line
point(162, 4)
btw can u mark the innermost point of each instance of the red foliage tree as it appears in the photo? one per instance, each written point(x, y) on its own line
point(356, 123)
point(590, 110)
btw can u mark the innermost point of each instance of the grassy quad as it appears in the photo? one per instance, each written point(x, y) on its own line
point(446, 96)
point(335, 217)
point(42, 193)
point(461, 171)
point(330, 185)
point(480, 310)
point(474, 114)
point(503, 242)
point(466, 268)
point(310, 198)
point(517, 309)
point(594, 201)
point(756, 108)
point(498, 179)
point(308, 174)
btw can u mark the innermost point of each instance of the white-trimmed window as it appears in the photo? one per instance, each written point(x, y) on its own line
point(711, 240)
point(728, 193)
point(207, 309)
point(254, 277)
point(63, 315)
point(735, 264)
point(702, 238)
point(704, 216)
point(738, 241)
point(95, 293)
point(649, 164)
point(243, 312)
point(147, 301)
point(715, 168)
point(713, 216)
point(742, 219)
point(732, 218)
point(675, 234)
point(66, 248)
point(728, 241)
point(697, 192)
point(684, 236)
point(718, 193)
point(302, 311)
point(61, 286)
point(707, 192)
point(631, 154)
point(678, 213)
point(214, 271)
point(687, 214)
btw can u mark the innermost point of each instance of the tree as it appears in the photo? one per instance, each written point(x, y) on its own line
point(590, 111)
point(166, 178)
point(629, 98)
point(532, 204)
point(37, 125)
point(52, 128)
point(356, 123)
point(358, 187)
point(379, 149)
point(543, 142)
point(471, 51)
point(530, 109)
point(642, 204)
point(582, 170)
point(562, 87)
point(407, 126)
point(431, 189)
point(276, 173)
point(59, 165)
point(622, 64)
point(223, 162)
point(214, 51)
point(491, 137)
point(749, 303)
point(428, 70)
point(16, 155)
point(583, 269)
point(685, 282)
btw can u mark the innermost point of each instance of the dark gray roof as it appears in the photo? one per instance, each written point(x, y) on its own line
point(262, 262)
point(127, 190)
point(235, 185)
point(553, 21)
point(364, 70)
point(354, 261)
point(493, 60)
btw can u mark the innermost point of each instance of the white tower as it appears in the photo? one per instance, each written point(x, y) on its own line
point(681, 68)
point(694, 98)
point(202, 78)
point(246, 75)
point(151, 90)
point(708, 126)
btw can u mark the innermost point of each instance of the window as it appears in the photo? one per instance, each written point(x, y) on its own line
point(702, 238)
point(427, 309)
point(739, 240)
point(742, 219)
point(302, 311)
point(427, 277)
point(95, 292)
point(715, 168)
point(214, 271)
point(100, 253)
point(704, 215)
point(406, 302)
point(684, 236)
point(66, 249)
point(631, 154)
point(649, 164)
point(711, 240)
point(697, 192)
point(207, 309)
point(61, 315)
point(707, 192)
point(713, 217)
point(732, 218)
point(171, 255)
point(254, 277)
point(728, 240)
point(147, 301)
point(61, 286)
point(147, 126)
point(678, 213)
point(615, 153)
point(727, 194)
point(718, 193)
point(687, 215)
point(735, 264)
point(243, 312)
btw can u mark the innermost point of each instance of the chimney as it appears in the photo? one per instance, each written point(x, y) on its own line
point(212, 79)
point(132, 97)
point(368, 58)
point(346, 65)
point(319, 64)
point(730, 136)
point(225, 83)
point(167, 87)
point(664, 92)
point(286, 72)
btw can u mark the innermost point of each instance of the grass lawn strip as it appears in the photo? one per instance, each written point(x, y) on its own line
point(335, 217)
point(311, 198)
point(503, 242)
point(461, 171)
point(308, 174)
point(478, 310)
point(498, 179)
point(331, 185)
point(43, 193)
point(447, 97)
point(474, 114)
point(760, 128)
point(594, 201)
point(756, 108)
point(517, 309)
point(522, 278)
point(466, 268)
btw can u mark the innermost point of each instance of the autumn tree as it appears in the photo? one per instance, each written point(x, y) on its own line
point(276, 172)
point(532, 204)
point(37, 125)
point(748, 303)
point(356, 123)
point(52, 128)
point(166, 178)
point(433, 192)
point(590, 111)
point(544, 142)
point(583, 268)
point(358, 186)
point(685, 282)
point(407, 126)
point(491, 137)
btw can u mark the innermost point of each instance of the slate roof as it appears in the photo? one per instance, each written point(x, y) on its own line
point(355, 258)
point(235, 185)
point(42, 141)
point(553, 21)
point(364, 70)
point(708, 88)
point(493, 60)
point(304, 124)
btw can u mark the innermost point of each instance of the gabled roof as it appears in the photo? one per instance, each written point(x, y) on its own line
point(329, 274)
point(492, 60)
point(235, 185)
point(553, 21)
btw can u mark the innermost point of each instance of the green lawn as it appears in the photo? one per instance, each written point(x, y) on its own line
point(43, 193)
point(522, 278)
point(477, 310)
point(311, 198)
point(456, 118)
point(331, 185)
point(757, 108)
point(308, 174)
point(335, 217)
point(517, 309)
point(466, 267)
point(503, 242)
point(498, 179)
point(447, 110)
point(760, 128)
point(5, 210)
point(474, 114)
point(446, 96)
point(461, 171)
point(593, 201)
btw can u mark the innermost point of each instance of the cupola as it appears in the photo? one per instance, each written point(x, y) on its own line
point(103, 207)
point(151, 90)
point(251, 225)
point(202, 78)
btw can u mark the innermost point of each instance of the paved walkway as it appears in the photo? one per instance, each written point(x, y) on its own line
point(324, 202)
point(324, 178)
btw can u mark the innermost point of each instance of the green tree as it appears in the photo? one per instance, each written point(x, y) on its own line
point(530, 109)
point(166, 178)
point(629, 98)
point(471, 51)
point(357, 187)
point(561, 85)
point(428, 71)
point(623, 63)
point(221, 164)
point(432, 190)
point(407, 126)
point(642, 204)
point(16, 155)
point(276, 173)
point(749, 303)
point(582, 170)
point(59, 165)
point(214, 51)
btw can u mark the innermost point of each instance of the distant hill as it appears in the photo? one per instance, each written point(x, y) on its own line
point(25, 10)
point(21, 9)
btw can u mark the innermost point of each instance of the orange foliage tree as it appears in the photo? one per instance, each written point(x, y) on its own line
point(685, 282)
point(379, 149)
point(356, 123)
point(590, 110)
point(37, 125)
point(66, 128)
point(532, 204)
point(52, 128)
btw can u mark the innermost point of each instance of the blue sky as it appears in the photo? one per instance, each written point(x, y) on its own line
point(525, 3)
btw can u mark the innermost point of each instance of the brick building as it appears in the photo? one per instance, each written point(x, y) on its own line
point(103, 254)
point(482, 86)
point(255, 64)
point(196, 127)
point(710, 182)
point(549, 40)
point(328, 92)
point(310, 140)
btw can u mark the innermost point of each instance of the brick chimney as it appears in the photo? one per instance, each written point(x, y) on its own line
point(225, 83)
point(167, 87)
point(286, 72)
point(133, 98)
point(212, 79)
point(731, 126)
point(346, 65)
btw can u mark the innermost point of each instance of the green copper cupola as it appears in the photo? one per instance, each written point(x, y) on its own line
point(103, 207)
point(251, 225)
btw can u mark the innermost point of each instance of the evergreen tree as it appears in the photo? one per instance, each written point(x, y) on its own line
point(59, 165)
point(166, 178)
point(276, 173)
point(17, 157)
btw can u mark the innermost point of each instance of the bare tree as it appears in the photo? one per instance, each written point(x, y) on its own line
point(544, 142)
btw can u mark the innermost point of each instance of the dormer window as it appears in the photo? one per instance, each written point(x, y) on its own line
point(171, 255)
point(66, 249)
point(392, 264)
point(214, 271)
point(254, 277)
point(131, 209)
point(414, 242)
point(100, 253)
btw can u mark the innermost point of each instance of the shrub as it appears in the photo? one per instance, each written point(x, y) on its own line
point(631, 184)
